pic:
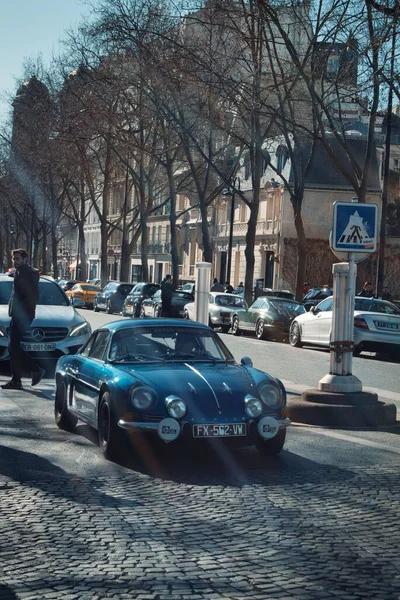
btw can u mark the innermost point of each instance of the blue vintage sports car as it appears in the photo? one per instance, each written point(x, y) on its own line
point(172, 379)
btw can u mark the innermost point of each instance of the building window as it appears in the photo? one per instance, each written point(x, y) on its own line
point(282, 154)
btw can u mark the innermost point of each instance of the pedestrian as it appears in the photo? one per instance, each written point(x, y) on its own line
point(241, 284)
point(386, 295)
point(216, 286)
point(21, 309)
point(166, 296)
point(306, 288)
point(367, 291)
point(229, 288)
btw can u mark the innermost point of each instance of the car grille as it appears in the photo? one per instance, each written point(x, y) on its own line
point(153, 418)
point(50, 334)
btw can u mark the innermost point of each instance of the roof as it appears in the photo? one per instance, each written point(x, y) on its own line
point(127, 324)
point(323, 173)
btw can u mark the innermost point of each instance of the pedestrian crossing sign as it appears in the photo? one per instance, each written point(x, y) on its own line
point(355, 227)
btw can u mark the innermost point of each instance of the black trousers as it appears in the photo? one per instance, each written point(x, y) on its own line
point(166, 309)
point(19, 359)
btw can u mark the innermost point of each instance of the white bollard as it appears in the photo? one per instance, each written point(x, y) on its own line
point(203, 278)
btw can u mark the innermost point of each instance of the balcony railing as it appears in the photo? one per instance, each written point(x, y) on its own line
point(263, 228)
point(154, 248)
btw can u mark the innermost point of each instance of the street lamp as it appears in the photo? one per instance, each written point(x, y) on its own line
point(236, 181)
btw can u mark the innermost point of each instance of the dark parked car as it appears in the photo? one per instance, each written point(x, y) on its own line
point(112, 297)
point(267, 317)
point(67, 284)
point(169, 380)
point(133, 301)
point(151, 307)
point(315, 295)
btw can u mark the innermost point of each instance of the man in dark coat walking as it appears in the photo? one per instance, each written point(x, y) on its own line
point(367, 291)
point(166, 296)
point(22, 307)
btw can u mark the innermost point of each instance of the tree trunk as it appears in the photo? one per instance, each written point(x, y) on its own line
point(301, 253)
point(172, 220)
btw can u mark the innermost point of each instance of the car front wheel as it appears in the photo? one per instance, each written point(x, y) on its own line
point(225, 328)
point(109, 436)
point(260, 331)
point(64, 419)
point(295, 335)
point(235, 326)
point(273, 446)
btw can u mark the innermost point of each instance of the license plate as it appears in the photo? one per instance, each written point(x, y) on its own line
point(39, 347)
point(225, 430)
point(386, 325)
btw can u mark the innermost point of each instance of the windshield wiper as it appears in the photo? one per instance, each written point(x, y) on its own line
point(137, 357)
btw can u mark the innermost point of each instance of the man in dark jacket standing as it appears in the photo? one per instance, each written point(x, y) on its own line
point(22, 307)
point(166, 296)
point(367, 291)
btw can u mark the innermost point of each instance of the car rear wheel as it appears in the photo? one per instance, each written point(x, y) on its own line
point(108, 308)
point(295, 335)
point(95, 308)
point(235, 326)
point(64, 419)
point(142, 313)
point(273, 446)
point(110, 439)
point(186, 315)
point(260, 331)
point(157, 313)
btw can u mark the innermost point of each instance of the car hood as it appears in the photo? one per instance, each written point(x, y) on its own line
point(60, 316)
point(207, 388)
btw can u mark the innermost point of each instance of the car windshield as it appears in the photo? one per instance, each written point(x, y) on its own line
point(229, 301)
point(49, 294)
point(380, 306)
point(162, 343)
point(90, 288)
point(125, 289)
point(287, 309)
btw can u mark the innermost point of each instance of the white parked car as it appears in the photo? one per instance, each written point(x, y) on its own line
point(221, 306)
point(376, 326)
point(57, 329)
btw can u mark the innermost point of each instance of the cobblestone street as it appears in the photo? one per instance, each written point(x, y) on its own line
point(218, 525)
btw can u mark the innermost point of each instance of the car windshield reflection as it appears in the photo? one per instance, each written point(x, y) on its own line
point(161, 344)
point(49, 294)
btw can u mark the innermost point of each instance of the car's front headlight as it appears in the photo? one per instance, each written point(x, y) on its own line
point(270, 394)
point(253, 406)
point(176, 407)
point(3, 331)
point(81, 329)
point(142, 397)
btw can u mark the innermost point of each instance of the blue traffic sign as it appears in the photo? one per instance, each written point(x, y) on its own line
point(355, 227)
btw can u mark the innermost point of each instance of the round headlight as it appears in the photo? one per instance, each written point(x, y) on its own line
point(142, 398)
point(253, 406)
point(270, 394)
point(176, 408)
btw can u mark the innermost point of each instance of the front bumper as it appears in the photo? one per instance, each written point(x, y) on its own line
point(185, 430)
point(69, 345)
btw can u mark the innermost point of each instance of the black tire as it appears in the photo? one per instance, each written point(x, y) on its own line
point(95, 307)
point(260, 331)
point(109, 310)
point(63, 418)
point(295, 335)
point(225, 328)
point(210, 324)
point(110, 438)
point(157, 313)
point(273, 446)
point(142, 313)
point(235, 326)
point(186, 315)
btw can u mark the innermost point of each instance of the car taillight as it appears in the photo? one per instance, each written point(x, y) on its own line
point(225, 314)
point(360, 323)
point(277, 324)
point(78, 293)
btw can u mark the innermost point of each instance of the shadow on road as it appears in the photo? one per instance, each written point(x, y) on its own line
point(6, 592)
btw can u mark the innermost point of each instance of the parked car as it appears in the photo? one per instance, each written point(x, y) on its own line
point(57, 329)
point(85, 291)
point(376, 326)
point(267, 317)
point(151, 307)
point(188, 287)
point(95, 282)
point(220, 309)
point(112, 297)
point(171, 380)
point(67, 284)
point(133, 301)
point(315, 295)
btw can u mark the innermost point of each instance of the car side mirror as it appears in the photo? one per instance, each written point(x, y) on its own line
point(315, 310)
point(246, 361)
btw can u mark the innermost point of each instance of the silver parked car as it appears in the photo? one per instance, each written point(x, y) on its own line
point(221, 306)
point(376, 326)
point(57, 329)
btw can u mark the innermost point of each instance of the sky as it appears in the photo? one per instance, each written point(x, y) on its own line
point(29, 28)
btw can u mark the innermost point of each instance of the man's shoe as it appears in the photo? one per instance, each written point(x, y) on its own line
point(12, 385)
point(38, 376)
